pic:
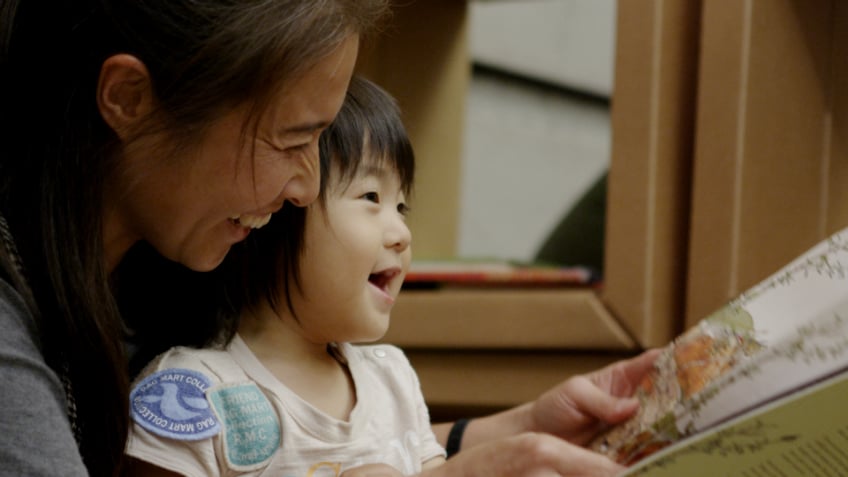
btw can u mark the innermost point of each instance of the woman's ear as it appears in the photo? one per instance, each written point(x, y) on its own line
point(124, 93)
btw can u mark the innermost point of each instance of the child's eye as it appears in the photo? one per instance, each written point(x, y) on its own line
point(372, 196)
point(403, 209)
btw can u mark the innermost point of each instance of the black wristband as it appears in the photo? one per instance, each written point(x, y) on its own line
point(455, 436)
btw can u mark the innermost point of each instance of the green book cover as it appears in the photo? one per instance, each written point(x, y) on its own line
point(804, 434)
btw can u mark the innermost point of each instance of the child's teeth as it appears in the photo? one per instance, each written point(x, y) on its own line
point(253, 221)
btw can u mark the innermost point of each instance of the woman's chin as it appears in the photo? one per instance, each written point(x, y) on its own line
point(206, 262)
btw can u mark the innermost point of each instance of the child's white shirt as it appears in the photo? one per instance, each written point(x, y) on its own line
point(207, 412)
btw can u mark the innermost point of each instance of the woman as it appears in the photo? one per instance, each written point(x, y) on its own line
point(183, 124)
point(180, 124)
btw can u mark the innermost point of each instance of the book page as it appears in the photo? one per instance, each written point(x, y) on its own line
point(804, 288)
point(802, 435)
point(787, 332)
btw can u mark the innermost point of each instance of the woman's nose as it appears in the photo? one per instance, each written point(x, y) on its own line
point(303, 187)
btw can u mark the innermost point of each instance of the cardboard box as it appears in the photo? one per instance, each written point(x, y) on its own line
point(771, 164)
point(482, 381)
point(421, 57)
point(729, 157)
point(450, 334)
point(506, 318)
point(649, 179)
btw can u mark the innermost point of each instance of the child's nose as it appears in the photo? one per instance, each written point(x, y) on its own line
point(398, 235)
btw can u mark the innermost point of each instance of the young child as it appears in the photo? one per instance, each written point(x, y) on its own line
point(289, 395)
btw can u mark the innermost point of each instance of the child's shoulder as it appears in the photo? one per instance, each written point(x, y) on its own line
point(381, 353)
point(212, 364)
point(170, 398)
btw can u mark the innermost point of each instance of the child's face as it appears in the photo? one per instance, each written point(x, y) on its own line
point(356, 255)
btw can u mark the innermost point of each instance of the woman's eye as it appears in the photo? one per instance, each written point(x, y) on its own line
point(403, 209)
point(296, 149)
point(372, 196)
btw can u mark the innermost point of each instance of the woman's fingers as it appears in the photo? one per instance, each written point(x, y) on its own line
point(372, 470)
point(623, 377)
point(527, 455)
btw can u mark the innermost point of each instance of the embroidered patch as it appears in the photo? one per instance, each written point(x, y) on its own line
point(251, 428)
point(172, 403)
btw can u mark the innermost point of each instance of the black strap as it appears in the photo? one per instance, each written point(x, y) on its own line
point(455, 436)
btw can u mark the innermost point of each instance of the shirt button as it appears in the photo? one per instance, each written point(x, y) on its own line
point(380, 353)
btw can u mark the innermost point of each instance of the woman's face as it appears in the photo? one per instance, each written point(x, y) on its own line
point(194, 207)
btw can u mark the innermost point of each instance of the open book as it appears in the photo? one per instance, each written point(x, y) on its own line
point(757, 389)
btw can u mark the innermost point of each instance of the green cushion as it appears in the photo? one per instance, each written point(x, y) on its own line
point(578, 239)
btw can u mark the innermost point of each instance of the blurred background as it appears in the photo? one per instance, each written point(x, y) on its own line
point(537, 132)
point(718, 109)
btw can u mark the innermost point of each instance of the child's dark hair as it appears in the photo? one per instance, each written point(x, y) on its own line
point(368, 126)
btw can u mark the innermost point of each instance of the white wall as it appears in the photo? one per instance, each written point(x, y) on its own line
point(568, 42)
point(531, 152)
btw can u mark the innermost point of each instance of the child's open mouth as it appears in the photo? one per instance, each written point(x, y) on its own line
point(382, 279)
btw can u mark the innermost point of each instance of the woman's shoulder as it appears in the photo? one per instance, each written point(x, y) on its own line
point(10, 300)
point(33, 399)
point(16, 321)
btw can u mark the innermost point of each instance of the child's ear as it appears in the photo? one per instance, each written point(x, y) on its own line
point(124, 93)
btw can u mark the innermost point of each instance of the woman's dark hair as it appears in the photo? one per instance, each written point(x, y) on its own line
point(57, 154)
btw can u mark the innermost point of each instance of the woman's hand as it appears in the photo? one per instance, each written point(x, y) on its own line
point(372, 470)
point(575, 410)
point(525, 455)
point(580, 407)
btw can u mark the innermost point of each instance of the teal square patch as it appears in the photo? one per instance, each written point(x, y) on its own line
point(251, 430)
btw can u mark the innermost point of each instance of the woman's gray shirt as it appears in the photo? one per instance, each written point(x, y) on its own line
point(35, 434)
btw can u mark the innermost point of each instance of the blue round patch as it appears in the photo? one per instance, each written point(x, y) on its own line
point(172, 403)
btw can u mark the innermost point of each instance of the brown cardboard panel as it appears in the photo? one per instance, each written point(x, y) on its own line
point(783, 150)
point(648, 197)
point(761, 163)
point(421, 57)
point(505, 318)
point(837, 186)
point(626, 261)
point(497, 379)
point(718, 126)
